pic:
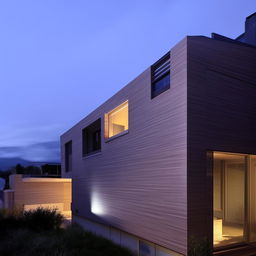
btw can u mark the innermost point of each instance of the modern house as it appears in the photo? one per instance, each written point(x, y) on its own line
point(171, 157)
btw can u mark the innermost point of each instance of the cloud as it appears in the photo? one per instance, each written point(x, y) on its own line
point(26, 134)
point(43, 151)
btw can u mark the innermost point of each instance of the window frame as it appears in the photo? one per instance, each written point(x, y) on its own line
point(106, 122)
point(85, 134)
point(163, 68)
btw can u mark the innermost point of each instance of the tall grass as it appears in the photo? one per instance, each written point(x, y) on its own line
point(39, 233)
point(73, 241)
point(199, 247)
point(40, 219)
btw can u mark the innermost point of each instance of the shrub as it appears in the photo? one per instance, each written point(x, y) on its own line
point(43, 219)
point(73, 241)
point(14, 213)
point(15, 242)
point(10, 219)
point(199, 247)
point(40, 219)
point(79, 242)
point(38, 232)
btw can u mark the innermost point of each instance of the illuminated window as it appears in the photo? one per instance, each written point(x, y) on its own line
point(160, 76)
point(92, 138)
point(116, 121)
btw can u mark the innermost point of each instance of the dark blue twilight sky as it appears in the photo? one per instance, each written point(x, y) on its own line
point(60, 59)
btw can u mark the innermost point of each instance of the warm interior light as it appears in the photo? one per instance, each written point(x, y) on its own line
point(217, 229)
point(117, 120)
point(229, 178)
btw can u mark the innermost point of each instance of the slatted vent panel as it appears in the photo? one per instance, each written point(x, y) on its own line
point(160, 76)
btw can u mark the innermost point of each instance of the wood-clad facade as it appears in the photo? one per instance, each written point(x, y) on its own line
point(155, 181)
point(139, 178)
point(30, 193)
point(221, 117)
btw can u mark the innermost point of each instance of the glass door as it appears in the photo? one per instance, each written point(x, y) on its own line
point(229, 198)
point(251, 191)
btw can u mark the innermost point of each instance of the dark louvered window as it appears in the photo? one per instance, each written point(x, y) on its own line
point(68, 156)
point(92, 138)
point(160, 76)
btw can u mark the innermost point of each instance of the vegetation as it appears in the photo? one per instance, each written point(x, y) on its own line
point(51, 169)
point(34, 170)
point(19, 169)
point(46, 169)
point(23, 235)
point(37, 220)
point(199, 247)
point(42, 219)
point(5, 175)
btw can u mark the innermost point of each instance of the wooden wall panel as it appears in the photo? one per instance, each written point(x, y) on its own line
point(34, 191)
point(221, 117)
point(139, 179)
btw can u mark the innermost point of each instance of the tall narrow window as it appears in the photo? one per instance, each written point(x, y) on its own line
point(68, 156)
point(116, 121)
point(229, 179)
point(92, 138)
point(234, 203)
point(160, 76)
point(251, 165)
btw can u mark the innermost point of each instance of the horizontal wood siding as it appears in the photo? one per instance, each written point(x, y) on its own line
point(221, 117)
point(34, 193)
point(139, 179)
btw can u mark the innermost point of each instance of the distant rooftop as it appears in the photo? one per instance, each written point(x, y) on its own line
point(249, 35)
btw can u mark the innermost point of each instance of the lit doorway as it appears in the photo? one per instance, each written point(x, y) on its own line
point(234, 194)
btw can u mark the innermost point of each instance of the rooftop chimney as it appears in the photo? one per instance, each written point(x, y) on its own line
point(249, 36)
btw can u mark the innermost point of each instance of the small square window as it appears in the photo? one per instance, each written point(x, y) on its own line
point(160, 76)
point(92, 138)
point(146, 249)
point(68, 156)
point(116, 121)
